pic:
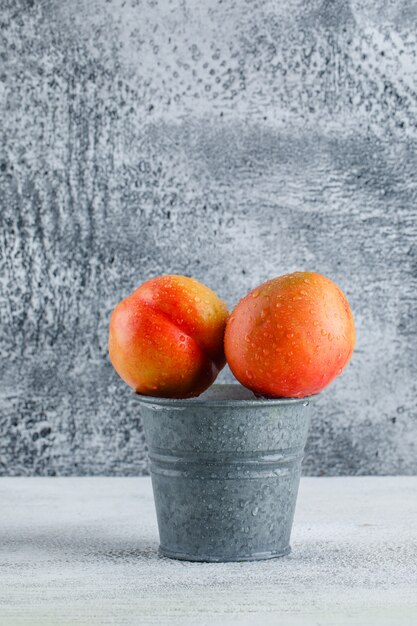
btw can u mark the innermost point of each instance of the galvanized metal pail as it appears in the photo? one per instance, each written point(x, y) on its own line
point(225, 470)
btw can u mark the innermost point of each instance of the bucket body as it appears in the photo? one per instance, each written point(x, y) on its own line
point(225, 470)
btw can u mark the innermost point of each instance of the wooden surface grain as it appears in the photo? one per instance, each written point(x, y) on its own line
point(83, 551)
point(228, 141)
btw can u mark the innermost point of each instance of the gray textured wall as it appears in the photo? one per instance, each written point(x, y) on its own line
point(231, 141)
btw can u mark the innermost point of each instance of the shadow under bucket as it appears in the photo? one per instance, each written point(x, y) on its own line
point(225, 471)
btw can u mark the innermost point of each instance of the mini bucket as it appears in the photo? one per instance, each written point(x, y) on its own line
point(225, 470)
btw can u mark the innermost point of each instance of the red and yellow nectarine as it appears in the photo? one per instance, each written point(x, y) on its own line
point(166, 338)
point(291, 336)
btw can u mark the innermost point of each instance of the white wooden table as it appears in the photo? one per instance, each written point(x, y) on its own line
point(84, 551)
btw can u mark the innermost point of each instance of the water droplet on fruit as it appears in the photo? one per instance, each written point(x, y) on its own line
point(323, 332)
point(248, 374)
point(278, 305)
point(303, 292)
point(316, 323)
point(289, 335)
point(330, 337)
point(247, 338)
point(255, 294)
point(182, 338)
point(197, 299)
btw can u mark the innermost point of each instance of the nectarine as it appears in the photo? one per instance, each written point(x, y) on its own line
point(291, 336)
point(166, 338)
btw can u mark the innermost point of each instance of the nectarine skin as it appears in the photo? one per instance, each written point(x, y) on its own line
point(166, 338)
point(291, 336)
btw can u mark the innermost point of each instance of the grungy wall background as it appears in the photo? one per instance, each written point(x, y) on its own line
point(231, 141)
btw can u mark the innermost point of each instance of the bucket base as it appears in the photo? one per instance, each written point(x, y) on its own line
point(257, 556)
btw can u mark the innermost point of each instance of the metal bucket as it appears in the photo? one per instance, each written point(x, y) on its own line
point(225, 471)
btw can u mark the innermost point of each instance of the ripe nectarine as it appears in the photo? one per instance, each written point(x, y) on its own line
point(166, 338)
point(291, 336)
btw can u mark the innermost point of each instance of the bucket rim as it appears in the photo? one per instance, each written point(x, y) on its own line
point(207, 401)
